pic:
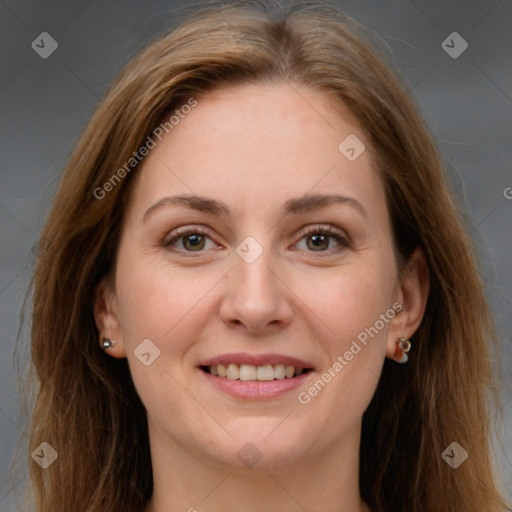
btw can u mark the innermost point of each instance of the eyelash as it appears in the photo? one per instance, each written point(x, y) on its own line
point(330, 231)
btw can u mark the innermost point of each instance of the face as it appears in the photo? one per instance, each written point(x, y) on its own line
point(276, 264)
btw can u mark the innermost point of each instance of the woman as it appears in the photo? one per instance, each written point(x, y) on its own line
point(256, 292)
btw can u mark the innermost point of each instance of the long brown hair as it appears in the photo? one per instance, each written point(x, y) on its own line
point(87, 407)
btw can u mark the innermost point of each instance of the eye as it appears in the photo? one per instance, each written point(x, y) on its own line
point(318, 239)
point(188, 240)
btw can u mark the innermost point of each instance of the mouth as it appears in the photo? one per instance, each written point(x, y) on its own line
point(255, 377)
point(250, 372)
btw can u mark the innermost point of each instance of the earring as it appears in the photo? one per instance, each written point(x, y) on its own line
point(403, 345)
point(107, 343)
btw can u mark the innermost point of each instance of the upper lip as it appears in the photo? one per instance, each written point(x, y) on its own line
point(256, 360)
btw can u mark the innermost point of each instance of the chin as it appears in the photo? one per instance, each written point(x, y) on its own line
point(262, 443)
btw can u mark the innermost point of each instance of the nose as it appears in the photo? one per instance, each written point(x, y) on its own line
point(256, 300)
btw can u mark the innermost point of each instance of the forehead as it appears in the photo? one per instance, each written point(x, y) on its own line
point(256, 144)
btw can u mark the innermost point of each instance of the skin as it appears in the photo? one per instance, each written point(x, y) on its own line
point(254, 147)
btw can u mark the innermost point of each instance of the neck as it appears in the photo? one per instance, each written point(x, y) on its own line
point(188, 481)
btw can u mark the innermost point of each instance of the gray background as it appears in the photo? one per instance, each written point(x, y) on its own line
point(45, 103)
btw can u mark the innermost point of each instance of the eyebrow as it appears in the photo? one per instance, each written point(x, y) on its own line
point(296, 206)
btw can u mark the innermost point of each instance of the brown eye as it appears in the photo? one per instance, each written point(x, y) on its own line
point(320, 239)
point(317, 242)
point(191, 240)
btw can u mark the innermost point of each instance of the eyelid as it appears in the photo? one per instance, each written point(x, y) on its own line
point(176, 234)
point(341, 237)
point(182, 231)
point(324, 228)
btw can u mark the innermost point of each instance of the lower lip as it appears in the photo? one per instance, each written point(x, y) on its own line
point(255, 389)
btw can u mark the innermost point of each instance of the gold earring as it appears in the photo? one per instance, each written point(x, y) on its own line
point(403, 345)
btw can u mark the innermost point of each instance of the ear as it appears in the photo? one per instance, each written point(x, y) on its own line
point(412, 294)
point(107, 318)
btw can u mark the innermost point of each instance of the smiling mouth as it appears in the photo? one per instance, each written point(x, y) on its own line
point(249, 372)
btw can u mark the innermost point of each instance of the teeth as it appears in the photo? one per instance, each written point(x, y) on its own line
point(233, 372)
point(247, 372)
point(265, 372)
point(250, 372)
point(279, 372)
point(221, 369)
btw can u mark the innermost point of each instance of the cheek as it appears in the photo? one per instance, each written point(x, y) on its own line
point(350, 298)
point(170, 307)
point(351, 304)
point(166, 304)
